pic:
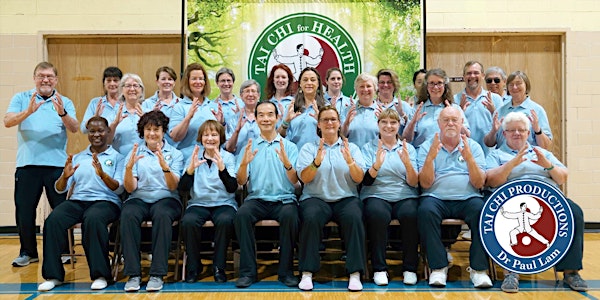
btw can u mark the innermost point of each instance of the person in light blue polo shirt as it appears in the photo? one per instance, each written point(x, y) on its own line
point(495, 82)
point(193, 109)
point(105, 106)
point(246, 127)
point(388, 86)
point(451, 172)
point(331, 171)
point(478, 104)
point(43, 117)
point(123, 128)
point(231, 104)
point(360, 125)
point(95, 179)
point(519, 87)
point(335, 80)
point(164, 99)
point(278, 89)
point(151, 177)
point(518, 159)
point(390, 192)
point(266, 167)
point(434, 96)
point(209, 178)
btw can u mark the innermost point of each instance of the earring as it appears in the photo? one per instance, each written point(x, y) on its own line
point(299, 91)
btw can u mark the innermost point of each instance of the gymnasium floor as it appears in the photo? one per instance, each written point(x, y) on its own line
point(330, 282)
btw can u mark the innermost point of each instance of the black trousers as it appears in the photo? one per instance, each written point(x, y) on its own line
point(255, 210)
point(573, 260)
point(348, 213)
point(378, 214)
point(162, 214)
point(95, 217)
point(192, 221)
point(29, 183)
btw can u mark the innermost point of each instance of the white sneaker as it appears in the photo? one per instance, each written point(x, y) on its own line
point(67, 260)
point(354, 284)
point(467, 235)
point(380, 278)
point(438, 277)
point(146, 256)
point(306, 283)
point(449, 257)
point(410, 278)
point(480, 279)
point(99, 284)
point(49, 285)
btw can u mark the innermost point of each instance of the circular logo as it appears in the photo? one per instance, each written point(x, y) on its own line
point(305, 40)
point(526, 226)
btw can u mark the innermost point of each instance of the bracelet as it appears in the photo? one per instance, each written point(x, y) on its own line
point(350, 164)
point(314, 165)
point(538, 132)
point(286, 124)
point(167, 171)
point(550, 168)
point(376, 170)
point(63, 114)
point(290, 168)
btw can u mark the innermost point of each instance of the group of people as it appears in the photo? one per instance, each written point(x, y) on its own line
point(305, 156)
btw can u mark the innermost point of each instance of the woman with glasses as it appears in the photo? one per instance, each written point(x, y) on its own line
point(107, 105)
point(123, 129)
point(331, 170)
point(390, 192)
point(519, 87)
point(388, 86)
point(230, 103)
point(193, 109)
point(434, 95)
point(246, 127)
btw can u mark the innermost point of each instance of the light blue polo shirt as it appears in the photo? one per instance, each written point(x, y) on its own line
point(88, 185)
point(342, 105)
point(526, 169)
point(451, 172)
point(285, 102)
point(41, 137)
point(204, 112)
point(126, 133)
point(363, 127)
point(230, 115)
point(303, 128)
point(167, 109)
point(525, 108)
point(109, 112)
point(390, 183)
point(479, 116)
point(208, 190)
point(250, 130)
point(428, 126)
point(332, 181)
point(152, 185)
point(267, 178)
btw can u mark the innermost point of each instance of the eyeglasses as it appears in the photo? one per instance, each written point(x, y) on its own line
point(42, 77)
point(329, 120)
point(385, 82)
point(516, 130)
point(495, 80)
point(435, 84)
point(132, 86)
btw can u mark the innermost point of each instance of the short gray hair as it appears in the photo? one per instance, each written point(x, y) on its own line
point(137, 79)
point(496, 70)
point(516, 117)
point(249, 82)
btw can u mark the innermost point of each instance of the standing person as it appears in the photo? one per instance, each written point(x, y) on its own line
point(478, 104)
point(518, 159)
point(123, 129)
point(388, 85)
point(279, 88)
point(246, 127)
point(418, 79)
point(390, 192)
point(266, 165)
point(105, 106)
point(164, 99)
point(334, 80)
point(519, 87)
point(434, 96)
point(151, 177)
point(331, 170)
point(300, 121)
point(230, 103)
point(95, 177)
point(451, 173)
point(43, 117)
point(209, 177)
point(360, 125)
point(193, 109)
point(495, 81)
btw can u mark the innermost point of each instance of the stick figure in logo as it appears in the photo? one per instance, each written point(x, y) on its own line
point(301, 60)
point(524, 217)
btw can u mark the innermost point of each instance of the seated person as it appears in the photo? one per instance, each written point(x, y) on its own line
point(451, 172)
point(515, 160)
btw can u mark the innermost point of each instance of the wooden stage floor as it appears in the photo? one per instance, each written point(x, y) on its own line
point(330, 282)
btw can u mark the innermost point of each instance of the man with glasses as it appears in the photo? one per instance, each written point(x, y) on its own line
point(478, 104)
point(451, 173)
point(43, 117)
point(495, 81)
